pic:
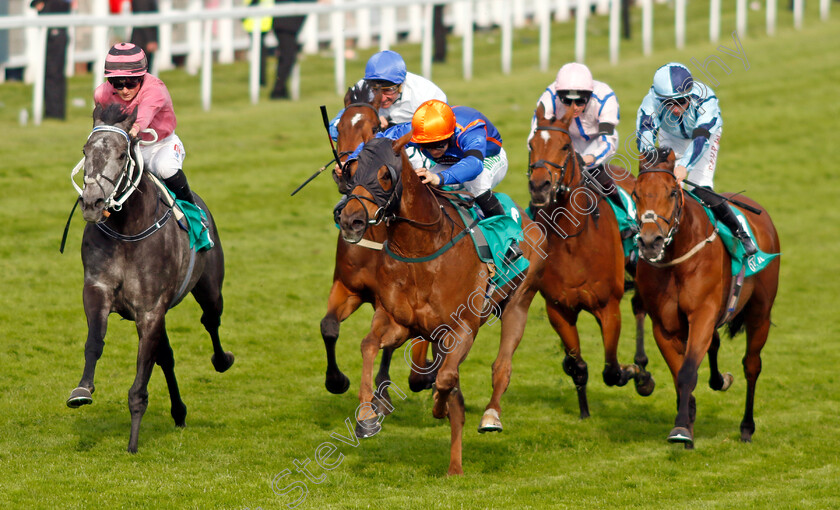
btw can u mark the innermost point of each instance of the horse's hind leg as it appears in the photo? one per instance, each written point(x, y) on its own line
point(644, 380)
point(381, 397)
point(609, 318)
point(97, 309)
point(717, 381)
point(151, 332)
point(563, 323)
point(757, 331)
point(166, 361)
point(208, 294)
point(340, 304)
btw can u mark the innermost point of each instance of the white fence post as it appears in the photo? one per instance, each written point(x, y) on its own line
point(309, 34)
point(581, 15)
point(603, 7)
point(193, 62)
point(545, 33)
point(714, 21)
point(741, 18)
point(415, 23)
point(225, 35)
point(518, 9)
point(39, 73)
point(365, 38)
point(206, 65)
point(163, 56)
point(797, 13)
point(507, 38)
point(615, 18)
point(468, 40)
point(824, 9)
point(100, 42)
point(771, 17)
point(387, 28)
point(647, 27)
point(31, 48)
point(426, 49)
point(254, 60)
point(337, 30)
point(561, 13)
point(679, 23)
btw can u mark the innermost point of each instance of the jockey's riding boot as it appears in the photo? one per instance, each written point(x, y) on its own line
point(178, 184)
point(724, 214)
point(491, 206)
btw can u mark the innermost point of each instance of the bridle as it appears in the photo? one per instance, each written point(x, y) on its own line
point(651, 216)
point(557, 189)
point(127, 180)
point(342, 164)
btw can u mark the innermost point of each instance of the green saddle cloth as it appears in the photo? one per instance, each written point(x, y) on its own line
point(500, 232)
point(755, 263)
point(195, 220)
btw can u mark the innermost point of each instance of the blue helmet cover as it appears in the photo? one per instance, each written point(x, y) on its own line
point(387, 66)
point(672, 80)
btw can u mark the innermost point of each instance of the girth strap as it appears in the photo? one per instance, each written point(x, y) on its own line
point(183, 289)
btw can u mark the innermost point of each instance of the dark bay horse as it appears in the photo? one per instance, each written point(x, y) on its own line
point(138, 263)
point(440, 299)
point(355, 275)
point(585, 262)
point(684, 278)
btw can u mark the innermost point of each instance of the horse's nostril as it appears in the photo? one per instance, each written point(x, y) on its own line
point(100, 202)
point(358, 225)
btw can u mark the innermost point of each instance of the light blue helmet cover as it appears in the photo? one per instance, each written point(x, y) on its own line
point(387, 66)
point(672, 80)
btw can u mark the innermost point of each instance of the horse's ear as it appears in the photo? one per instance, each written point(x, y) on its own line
point(377, 99)
point(399, 143)
point(568, 116)
point(347, 96)
point(97, 113)
point(539, 113)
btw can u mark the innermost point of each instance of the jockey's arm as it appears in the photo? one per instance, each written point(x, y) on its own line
point(473, 143)
point(708, 122)
point(647, 124)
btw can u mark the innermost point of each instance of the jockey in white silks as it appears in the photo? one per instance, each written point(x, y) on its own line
point(683, 114)
point(402, 93)
point(593, 131)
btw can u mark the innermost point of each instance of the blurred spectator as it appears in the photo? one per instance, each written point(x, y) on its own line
point(146, 37)
point(263, 25)
point(55, 83)
point(439, 31)
point(286, 31)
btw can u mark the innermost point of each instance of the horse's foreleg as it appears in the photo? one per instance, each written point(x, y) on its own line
point(514, 318)
point(150, 329)
point(609, 319)
point(340, 305)
point(757, 330)
point(381, 397)
point(166, 361)
point(208, 294)
point(563, 322)
point(448, 399)
point(644, 380)
point(97, 308)
point(423, 371)
point(717, 381)
point(700, 330)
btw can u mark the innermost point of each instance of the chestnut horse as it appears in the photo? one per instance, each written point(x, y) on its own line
point(432, 285)
point(684, 277)
point(355, 274)
point(585, 260)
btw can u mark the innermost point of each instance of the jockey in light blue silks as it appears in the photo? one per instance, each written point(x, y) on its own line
point(684, 114)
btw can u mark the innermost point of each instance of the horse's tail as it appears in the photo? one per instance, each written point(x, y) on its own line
point(736, 325)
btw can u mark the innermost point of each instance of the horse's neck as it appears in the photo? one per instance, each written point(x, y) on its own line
point(569, 215)
point(138, 208)
point(694, 227)
point(419, 205)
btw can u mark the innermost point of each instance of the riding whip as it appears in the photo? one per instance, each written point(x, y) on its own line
point(335, 153)
point(736, 202)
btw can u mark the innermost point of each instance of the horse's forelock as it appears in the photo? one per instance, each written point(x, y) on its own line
point(361, 93)
point(112, 114)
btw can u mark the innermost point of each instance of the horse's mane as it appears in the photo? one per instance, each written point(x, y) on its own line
point(361, 93)
point(112, 114)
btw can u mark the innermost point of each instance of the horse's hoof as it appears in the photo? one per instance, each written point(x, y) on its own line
point(337, 384)
point(179, 414)
point(490, 422)
point(79, 397)
point(681, 435)
point(368, 428)
point(728, 379)
point(382, 403)
point(222, 365)
point(645, 384)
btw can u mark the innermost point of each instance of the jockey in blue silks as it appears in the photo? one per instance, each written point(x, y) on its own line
point(684, 115)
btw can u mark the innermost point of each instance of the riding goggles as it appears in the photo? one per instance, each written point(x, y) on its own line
point(125, 82)
point(440, 144)
point(579, 98)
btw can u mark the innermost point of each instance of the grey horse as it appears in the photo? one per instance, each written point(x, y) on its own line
point(138, 263)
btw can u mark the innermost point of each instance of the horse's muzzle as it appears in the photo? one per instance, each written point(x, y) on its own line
point(540, 192)
point(651, 246)
point(93, 209)
point(353, 226)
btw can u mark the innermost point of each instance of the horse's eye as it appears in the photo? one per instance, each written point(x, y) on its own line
point(386, 176)
point(674, 193)
point(566, 147)
point(122, 156)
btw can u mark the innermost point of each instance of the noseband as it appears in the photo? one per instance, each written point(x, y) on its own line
point(651, 216)
point(128, 178)
point(557, 189)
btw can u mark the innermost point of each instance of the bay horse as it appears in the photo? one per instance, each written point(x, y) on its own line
point(684, 277)
point(429, 283)
point(355, 275)
point(585, 261)
point(138, 263)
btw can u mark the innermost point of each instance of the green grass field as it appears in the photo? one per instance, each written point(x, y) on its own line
point(248, 425)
